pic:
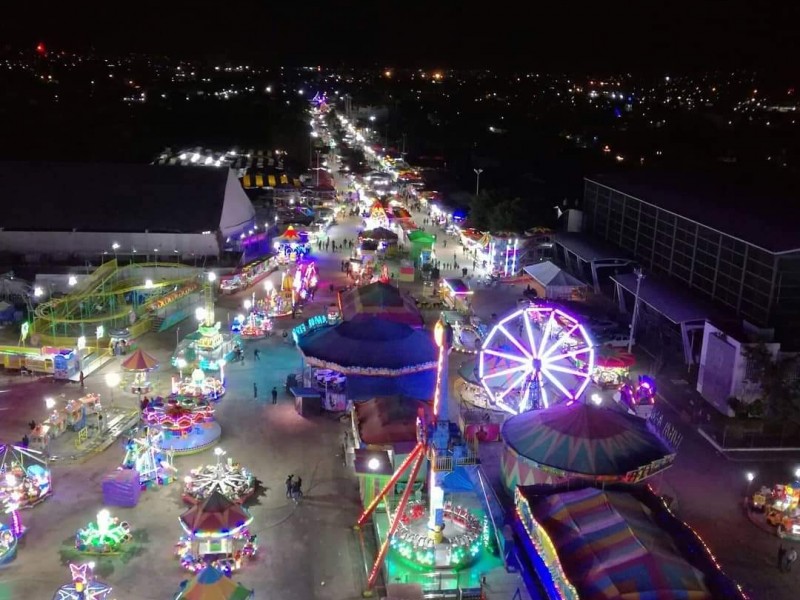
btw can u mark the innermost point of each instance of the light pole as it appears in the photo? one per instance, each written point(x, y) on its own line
point(477, 180)
point(317, 168)
point(115, 247)
point(112, 381)
point(639, 276)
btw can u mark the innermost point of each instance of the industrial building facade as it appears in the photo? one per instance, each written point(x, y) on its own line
point(756, 277)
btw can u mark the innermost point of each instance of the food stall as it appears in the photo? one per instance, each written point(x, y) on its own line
point(781, 507)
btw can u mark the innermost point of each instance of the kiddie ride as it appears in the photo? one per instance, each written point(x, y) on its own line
point(639, 399)
point(25, 481)
point(230, 479)
point(198, 387)
point(106, 535)
point(255, 326)
point(187, 425)
point(781, 506)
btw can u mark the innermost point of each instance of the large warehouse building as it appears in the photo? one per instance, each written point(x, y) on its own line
point(63, 211)
point(737, 247)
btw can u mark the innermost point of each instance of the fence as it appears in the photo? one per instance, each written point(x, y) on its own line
point(771, 436)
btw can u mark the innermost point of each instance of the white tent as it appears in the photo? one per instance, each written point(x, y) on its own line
point(553, 283)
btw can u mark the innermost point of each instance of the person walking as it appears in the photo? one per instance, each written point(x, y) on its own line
point(289, 485)
point(255, 391)
point(791, 556)
point(781, 556)
point(274, 395)
point(257, 354)
point(82, 378)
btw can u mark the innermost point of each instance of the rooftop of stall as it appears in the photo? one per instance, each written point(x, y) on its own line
point(457, 287)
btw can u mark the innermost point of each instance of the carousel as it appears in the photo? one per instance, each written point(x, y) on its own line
point(140, 363)
point(277, 302)
point(207, 348)
point(216, 534)
point(199, 387)
point(227, 477)
point(145, 455)
point(106, 535)
point(83, 585)
point(292, 245)
point(187, 425)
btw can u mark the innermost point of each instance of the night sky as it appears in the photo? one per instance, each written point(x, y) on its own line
point(546, 35)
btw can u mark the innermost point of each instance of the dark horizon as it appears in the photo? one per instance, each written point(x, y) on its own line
point(685, 37)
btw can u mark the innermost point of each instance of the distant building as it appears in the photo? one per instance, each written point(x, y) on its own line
point(736, 246)
point(64, 211)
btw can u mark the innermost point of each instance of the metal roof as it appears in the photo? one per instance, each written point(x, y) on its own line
point(51, 196)
point(760, 212)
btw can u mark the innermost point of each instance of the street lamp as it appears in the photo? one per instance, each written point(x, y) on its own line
point(148, 283)
point(639, 276)
point(72, 280)
point(181, 362)
point(38, 292)
point(200, 313)
point(115, 247)
point(797, 474)
point(212, 277)
point(247, 304)
point(112, 381)
point(477, 180)
point(49, 403)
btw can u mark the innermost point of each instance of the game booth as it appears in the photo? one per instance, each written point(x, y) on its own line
point(375, 357)
point(580, 441)
point(216, 534)
point(589, 540)
point(455, 293)
point(212, 584)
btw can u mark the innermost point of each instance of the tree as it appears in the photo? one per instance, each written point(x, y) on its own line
point(777, 378)
point(480, 208)
point(509, 215)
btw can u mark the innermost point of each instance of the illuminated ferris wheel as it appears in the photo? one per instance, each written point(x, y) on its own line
point(535, 357)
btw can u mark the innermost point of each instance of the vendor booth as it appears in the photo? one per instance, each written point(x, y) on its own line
point(553, 283)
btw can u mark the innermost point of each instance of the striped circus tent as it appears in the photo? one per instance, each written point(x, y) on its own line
point(583, 441)
point(257, 179)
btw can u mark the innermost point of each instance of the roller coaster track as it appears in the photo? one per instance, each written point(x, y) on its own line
point(100, 284)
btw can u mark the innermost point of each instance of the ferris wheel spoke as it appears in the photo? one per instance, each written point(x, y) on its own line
point(567, 370)
point(505, 355)
point(514, 341)
point(513, 385)
point(558, 384)
point(571, 354)
point(557, 345)
point(529, 331)
point(507, 371)
point(548, 328)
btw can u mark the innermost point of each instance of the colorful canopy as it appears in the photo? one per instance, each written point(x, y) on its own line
point(612, 545)
point(139, 361)
point(215, 514)
point(421, 237)
point(373, 347)
point(290, 234)
point(211, 584)
point(380, 300)
point(611, 358)
point(586, 440)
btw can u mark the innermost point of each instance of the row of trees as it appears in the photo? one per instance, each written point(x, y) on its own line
point(495, 211)
point(778, 379)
